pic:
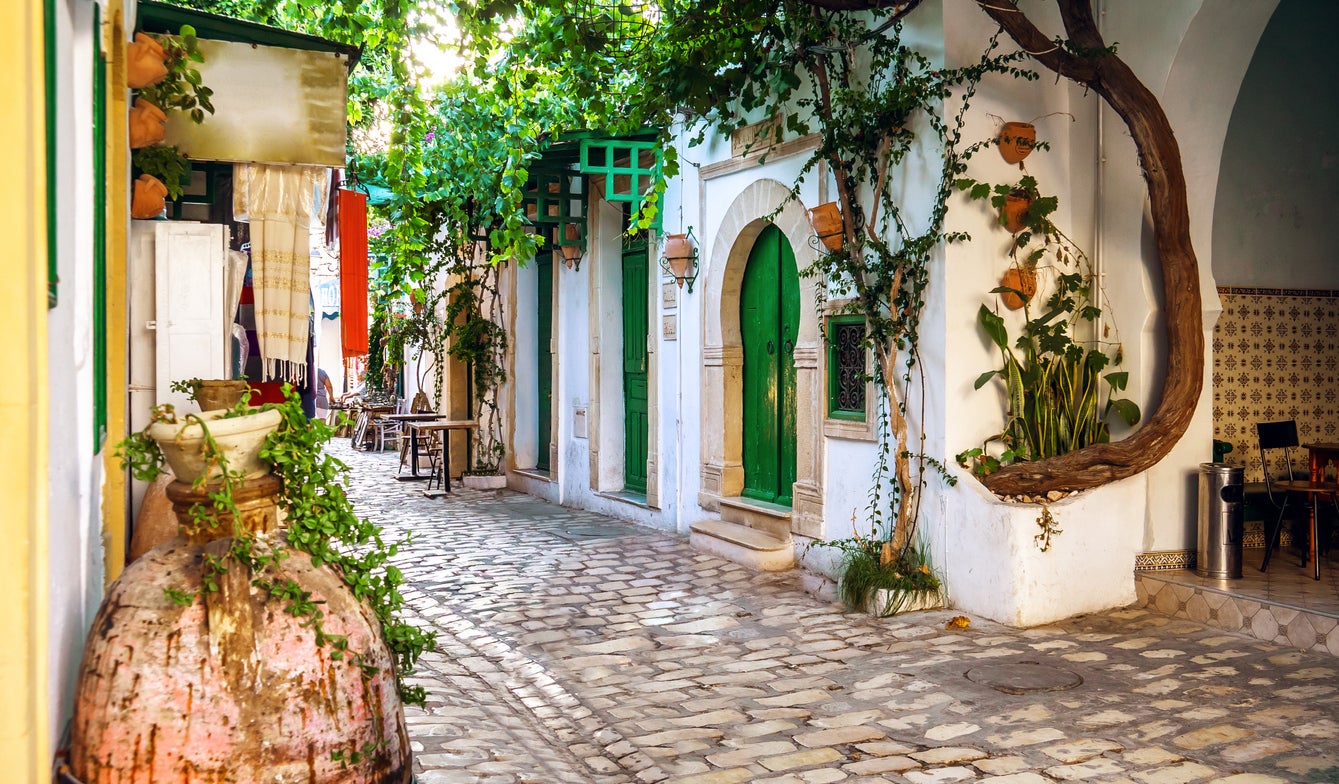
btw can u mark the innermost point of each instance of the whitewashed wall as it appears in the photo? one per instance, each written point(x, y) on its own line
point(75, 560)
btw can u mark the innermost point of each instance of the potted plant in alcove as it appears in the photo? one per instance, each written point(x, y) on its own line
point(1063, 389)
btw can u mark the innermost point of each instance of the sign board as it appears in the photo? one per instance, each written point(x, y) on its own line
point(271, 105)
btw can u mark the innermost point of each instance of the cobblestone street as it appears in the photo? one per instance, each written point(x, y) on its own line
point(575, 648)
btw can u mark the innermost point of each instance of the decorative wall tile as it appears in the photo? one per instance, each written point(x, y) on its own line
point(1276, 356)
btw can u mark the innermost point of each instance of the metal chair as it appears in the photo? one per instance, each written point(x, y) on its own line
point(1283, 435)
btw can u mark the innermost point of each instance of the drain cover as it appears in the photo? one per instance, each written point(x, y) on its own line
point(1024, 677)
point(592, 531)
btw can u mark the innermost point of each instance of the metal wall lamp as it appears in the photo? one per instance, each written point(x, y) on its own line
point(680, 258)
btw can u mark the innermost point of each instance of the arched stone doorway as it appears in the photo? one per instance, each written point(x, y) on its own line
point(723, 355)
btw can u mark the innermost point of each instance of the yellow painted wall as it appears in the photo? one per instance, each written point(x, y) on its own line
point(24, 713)
point(114, 491)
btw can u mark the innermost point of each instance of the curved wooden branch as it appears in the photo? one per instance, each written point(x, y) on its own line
point(1160, 158)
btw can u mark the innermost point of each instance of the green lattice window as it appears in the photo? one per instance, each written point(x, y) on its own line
point(848, 377)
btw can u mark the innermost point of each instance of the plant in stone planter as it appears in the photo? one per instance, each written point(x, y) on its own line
point(319, 518)
point(1058, 398)
point(875, 579)
point(266, 628)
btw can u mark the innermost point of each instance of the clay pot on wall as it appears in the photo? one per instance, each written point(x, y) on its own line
point(149, 197)
point(827, 221)
point(146, 62)
point(1016, 141)
point(1015, 210)
point(148, 124)
point(1022, 279)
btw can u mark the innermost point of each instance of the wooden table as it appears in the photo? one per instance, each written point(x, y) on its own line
point(1321, 455)
point(443, 426)
point(408, 419)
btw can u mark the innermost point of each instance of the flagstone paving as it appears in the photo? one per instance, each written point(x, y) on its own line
point(574, 648)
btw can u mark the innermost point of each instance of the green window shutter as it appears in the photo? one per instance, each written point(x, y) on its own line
point(847, 374)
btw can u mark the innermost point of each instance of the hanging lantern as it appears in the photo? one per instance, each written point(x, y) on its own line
point(680, 259)
point(1016, 141)
point(827, 222)
point(570, 248)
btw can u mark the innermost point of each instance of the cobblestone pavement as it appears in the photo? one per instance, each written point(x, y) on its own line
point(575, 648)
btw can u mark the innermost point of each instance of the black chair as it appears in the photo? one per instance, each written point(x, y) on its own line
point(1283, 435)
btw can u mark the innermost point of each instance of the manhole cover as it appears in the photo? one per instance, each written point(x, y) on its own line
point(593, 531)
point(1023, 677)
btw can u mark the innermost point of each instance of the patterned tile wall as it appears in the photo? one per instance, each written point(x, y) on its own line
point(1276, 356)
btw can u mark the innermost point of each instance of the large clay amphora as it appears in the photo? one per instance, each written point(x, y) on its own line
point(183, 684)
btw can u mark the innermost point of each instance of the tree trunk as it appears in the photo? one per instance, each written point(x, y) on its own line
point(1160, 157)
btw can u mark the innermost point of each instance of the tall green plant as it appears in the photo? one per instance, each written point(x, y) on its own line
point(1058, 399)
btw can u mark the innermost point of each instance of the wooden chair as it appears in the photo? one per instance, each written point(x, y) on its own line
point(1283, 435)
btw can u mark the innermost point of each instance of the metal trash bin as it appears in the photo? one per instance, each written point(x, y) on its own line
point(1220, 522)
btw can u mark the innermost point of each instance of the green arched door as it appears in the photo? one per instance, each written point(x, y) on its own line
point(769, 322)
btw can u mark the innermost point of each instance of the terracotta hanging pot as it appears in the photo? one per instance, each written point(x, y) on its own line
point(1016, 141)
point(148, 124)
point(1022, 279)
point(146, 62)
point(679, 255)
point(827, 221)
point(1015, 210)
point(149, 197)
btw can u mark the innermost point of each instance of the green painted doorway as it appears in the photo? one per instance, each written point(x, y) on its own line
point(635, 334)
point(544, 373)
point(769, 323)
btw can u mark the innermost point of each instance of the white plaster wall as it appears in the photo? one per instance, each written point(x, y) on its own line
point(984, 548)
point(1278, 187)
point(75, 546)
point(526, 354)
point(1197, 83)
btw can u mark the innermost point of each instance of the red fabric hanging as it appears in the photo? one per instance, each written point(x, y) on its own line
point(353, 272)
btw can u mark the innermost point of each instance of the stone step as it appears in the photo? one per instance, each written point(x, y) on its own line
point(742, 544)
point(773, 519)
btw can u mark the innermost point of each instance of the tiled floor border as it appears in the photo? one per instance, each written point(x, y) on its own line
point(1271, 622)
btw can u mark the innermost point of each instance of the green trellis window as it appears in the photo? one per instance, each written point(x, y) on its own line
point(848, 378)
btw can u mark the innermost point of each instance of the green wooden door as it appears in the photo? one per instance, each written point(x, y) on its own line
point(635, 334)
point(544, 374)
point(769, 320)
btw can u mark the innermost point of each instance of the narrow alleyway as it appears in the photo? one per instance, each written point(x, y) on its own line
point(575, 648)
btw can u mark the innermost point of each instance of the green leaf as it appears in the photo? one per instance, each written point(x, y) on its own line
point(994, 327)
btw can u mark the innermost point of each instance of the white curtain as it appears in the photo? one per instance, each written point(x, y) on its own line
point(278, 201)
